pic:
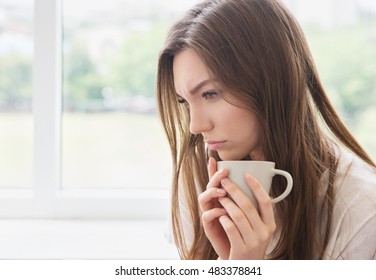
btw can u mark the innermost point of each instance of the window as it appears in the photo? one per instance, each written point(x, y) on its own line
point(86, 162)
point(111, 136)
point(79, 135)
point(16, 123)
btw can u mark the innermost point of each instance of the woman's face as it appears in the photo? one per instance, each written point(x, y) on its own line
point(230, 130)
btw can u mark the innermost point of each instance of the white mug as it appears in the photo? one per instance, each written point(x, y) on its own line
point(263, 171)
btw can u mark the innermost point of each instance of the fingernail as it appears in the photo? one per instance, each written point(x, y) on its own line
point(249, 176)
point(223, 210)
point(225, 181)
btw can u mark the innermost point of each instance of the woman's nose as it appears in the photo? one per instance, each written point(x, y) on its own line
point(199, 121)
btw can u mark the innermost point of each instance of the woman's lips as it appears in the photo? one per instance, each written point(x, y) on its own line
point(215, 145)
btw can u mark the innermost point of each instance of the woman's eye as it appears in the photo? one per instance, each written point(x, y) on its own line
point(209, 95)
point(182, 101)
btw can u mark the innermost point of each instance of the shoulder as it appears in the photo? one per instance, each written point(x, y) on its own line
point(351, 164)
point(355, 179)
point(354, 212)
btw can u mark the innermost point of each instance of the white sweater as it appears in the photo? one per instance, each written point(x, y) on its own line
point(353, 229)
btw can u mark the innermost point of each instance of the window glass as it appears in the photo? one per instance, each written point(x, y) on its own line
point(111, 135)
point(16, 125)
point(342, 37)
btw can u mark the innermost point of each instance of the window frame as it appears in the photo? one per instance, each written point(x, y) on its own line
point(46, 199)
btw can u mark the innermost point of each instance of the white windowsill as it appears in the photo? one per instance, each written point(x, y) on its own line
point(84, 239)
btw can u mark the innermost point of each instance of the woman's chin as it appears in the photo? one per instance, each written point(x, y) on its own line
point(228, 156)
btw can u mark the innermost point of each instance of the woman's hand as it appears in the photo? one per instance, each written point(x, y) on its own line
point(233, 225)
point(249, 231)
point(212, 210)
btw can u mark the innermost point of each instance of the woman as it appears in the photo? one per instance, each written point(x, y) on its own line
point(236, 80)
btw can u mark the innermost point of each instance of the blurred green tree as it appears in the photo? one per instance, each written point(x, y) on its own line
point(346, 59)
point(15, 81)
point(82, 84)
point(135, 65)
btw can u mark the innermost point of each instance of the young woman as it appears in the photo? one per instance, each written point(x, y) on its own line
point(236, 80)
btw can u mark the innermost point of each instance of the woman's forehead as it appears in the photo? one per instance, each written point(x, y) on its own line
point(190, 72)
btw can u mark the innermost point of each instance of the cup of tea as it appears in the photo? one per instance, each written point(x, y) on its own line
point(263, 171)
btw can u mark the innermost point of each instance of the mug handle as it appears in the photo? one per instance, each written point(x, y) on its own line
point(288, 187)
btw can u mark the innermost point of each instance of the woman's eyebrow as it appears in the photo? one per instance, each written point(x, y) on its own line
point(201, 85)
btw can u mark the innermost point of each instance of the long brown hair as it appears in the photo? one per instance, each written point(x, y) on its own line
point(257, 49)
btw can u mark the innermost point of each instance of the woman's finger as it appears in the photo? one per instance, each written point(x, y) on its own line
point(215, 180)
point(233, 234)
point(212, 167)
point(238, 217)
point(266, 211)
point(212, 214)
point(242, 200)
point(205, 199)
point(257, 220)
